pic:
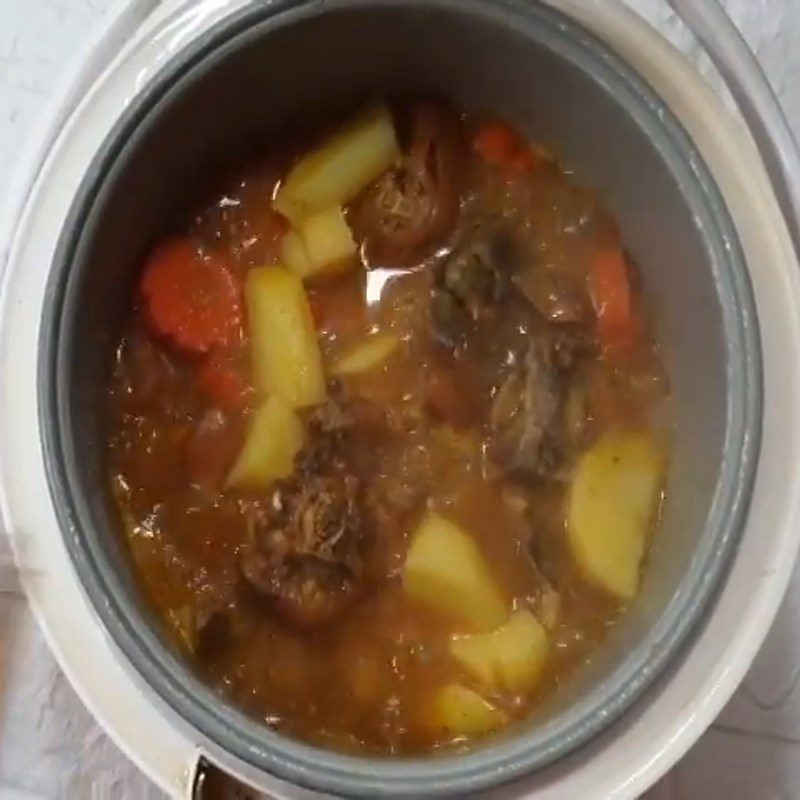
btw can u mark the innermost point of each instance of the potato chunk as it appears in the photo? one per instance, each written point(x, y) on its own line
point(367, 356)
point(446, 571)
point(273, 439)
point(294, 253)
point(321, 245)
point(463, 712)
point(341, 167)
point(509, 659)
point(283, 342)
point(613, 501)
point(328, 240)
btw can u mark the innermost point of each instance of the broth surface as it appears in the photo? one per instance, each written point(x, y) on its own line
point(501, 275)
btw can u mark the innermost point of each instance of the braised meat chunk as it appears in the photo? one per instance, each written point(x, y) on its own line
point(477, 274)
point(310, 539)
point(307, 557)
point(413, 207)
point(472, 283)
point(524, 411)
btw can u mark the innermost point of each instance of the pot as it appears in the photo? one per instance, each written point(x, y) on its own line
point(638, 157)
point(251, 77)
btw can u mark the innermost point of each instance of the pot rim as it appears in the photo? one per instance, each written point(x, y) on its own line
point(509, 758)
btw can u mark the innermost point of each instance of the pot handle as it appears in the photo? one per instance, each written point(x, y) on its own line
point(208, 782)
point(755, 97)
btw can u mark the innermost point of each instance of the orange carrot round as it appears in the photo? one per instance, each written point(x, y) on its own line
point(495, 141)
point(617, 321)
point(193, 303)
point(500, 145)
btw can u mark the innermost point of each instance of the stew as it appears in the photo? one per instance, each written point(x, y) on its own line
point(388, 431)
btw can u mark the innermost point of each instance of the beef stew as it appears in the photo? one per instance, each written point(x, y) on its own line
point(388, 432)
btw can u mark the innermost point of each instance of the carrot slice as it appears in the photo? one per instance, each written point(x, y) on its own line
point(500, 145)
point(495, 141)
point(617, 322)
point(224, 384)
point(192, 302)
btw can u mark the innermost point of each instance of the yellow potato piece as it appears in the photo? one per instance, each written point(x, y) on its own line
point(613, 501)
point(341, 167)
point(367, 356)
point(322, 244)
point(274, 437)
point(446, 571)
point(461, 711)
point(510, 659)
point(328, 239)
point(294, 254)
point(285, 352)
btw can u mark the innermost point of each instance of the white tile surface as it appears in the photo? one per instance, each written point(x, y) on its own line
point(37, 38)
point(50, 747)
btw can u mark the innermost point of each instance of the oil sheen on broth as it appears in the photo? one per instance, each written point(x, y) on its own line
point(387, 431)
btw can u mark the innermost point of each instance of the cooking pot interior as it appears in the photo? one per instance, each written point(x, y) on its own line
point(305, 61)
